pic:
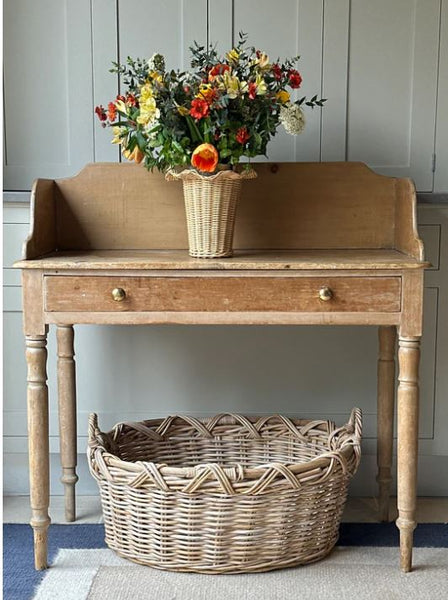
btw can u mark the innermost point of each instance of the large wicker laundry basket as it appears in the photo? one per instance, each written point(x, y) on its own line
point(228, 494)
point(210, 208)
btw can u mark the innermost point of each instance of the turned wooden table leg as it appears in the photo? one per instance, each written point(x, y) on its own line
point(385, 423)
point(39, 458)
point(408, 413)
point(67, 416)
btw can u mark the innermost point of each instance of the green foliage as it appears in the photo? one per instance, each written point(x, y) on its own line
point(236, 103)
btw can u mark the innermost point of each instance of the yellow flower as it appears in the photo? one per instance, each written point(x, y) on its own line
point(233, 86)
point(145, 93)
point(119, 135)
point(121, 106)
point(283, 96)
point(148, 107)
point(261, 85)
point(244, 87)
point(233, 56)
point(157, 77)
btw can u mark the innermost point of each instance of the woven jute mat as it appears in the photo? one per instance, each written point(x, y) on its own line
point(349, 572)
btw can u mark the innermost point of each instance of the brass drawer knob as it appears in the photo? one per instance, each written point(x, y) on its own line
point(325, 294)
point(118, 294)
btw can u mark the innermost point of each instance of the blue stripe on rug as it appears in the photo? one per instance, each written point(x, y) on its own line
point(20, 579)
point(19, 576)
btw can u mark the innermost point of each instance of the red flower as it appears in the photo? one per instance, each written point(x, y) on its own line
point(252, 90)
point(295, 79)
point(111, 112)
point(277, 70)
point(131, 99)
point(217, 70)
point(122, 98)
point(101, 113)
point(242, 135)
point(199, 108)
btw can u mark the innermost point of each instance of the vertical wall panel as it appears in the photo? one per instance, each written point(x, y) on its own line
point(441, 174)
point(139, 28)
point(437, 216)
point(105, 84)
point(427, 363)
point(334, 75)
point(165, 26)
point(310, 31)
point(220, 24)
point(284, 30)
point(48, 89)
point(392, 83)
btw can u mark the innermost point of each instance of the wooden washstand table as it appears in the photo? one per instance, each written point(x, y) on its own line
point(316, 244)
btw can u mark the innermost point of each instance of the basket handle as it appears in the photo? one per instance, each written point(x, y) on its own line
point(355, 422)
point(97, 439)
point(93, 429)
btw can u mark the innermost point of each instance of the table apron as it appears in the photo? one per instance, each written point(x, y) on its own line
point(221, 318)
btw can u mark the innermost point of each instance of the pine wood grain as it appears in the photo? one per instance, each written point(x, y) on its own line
point(289, 206)
point(300, 227)
point(298, 260)
point(230, 294)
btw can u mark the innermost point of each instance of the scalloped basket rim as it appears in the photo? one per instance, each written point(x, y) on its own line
point(193, 174)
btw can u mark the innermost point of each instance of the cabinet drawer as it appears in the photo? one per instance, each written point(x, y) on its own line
point(222, 294)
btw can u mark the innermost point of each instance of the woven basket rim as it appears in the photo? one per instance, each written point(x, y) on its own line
point(191, 174)
point(347, 439)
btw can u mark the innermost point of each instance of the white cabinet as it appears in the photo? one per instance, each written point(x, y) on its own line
point(392, 86)
point(382, 65)
point(48, 125)
point(441, 173)
point(287, 29)
point(377, 63)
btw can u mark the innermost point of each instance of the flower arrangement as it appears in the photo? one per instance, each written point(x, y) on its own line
point(226, 108)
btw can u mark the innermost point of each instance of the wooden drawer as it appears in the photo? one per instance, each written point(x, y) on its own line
point(222, 294)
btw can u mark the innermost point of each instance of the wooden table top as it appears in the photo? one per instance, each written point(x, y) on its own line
point(295, 260)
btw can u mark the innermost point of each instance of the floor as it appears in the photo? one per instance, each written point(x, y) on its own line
point(16, 509)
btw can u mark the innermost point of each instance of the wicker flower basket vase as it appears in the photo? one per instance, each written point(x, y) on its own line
point(229, 494)
point(210, 205)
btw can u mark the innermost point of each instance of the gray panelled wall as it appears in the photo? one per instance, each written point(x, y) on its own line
point(385, 108)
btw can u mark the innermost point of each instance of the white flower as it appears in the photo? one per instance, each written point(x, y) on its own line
point(292, 118)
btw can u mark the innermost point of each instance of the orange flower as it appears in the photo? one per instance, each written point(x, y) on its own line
point(205, 158)
point(136, 155)
point(111, 112)
point(207, 93)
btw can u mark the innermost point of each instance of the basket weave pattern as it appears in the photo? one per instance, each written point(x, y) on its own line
point(210, 207)
point(226, 494)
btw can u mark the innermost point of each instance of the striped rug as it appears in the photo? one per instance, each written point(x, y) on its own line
point(364, 565)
